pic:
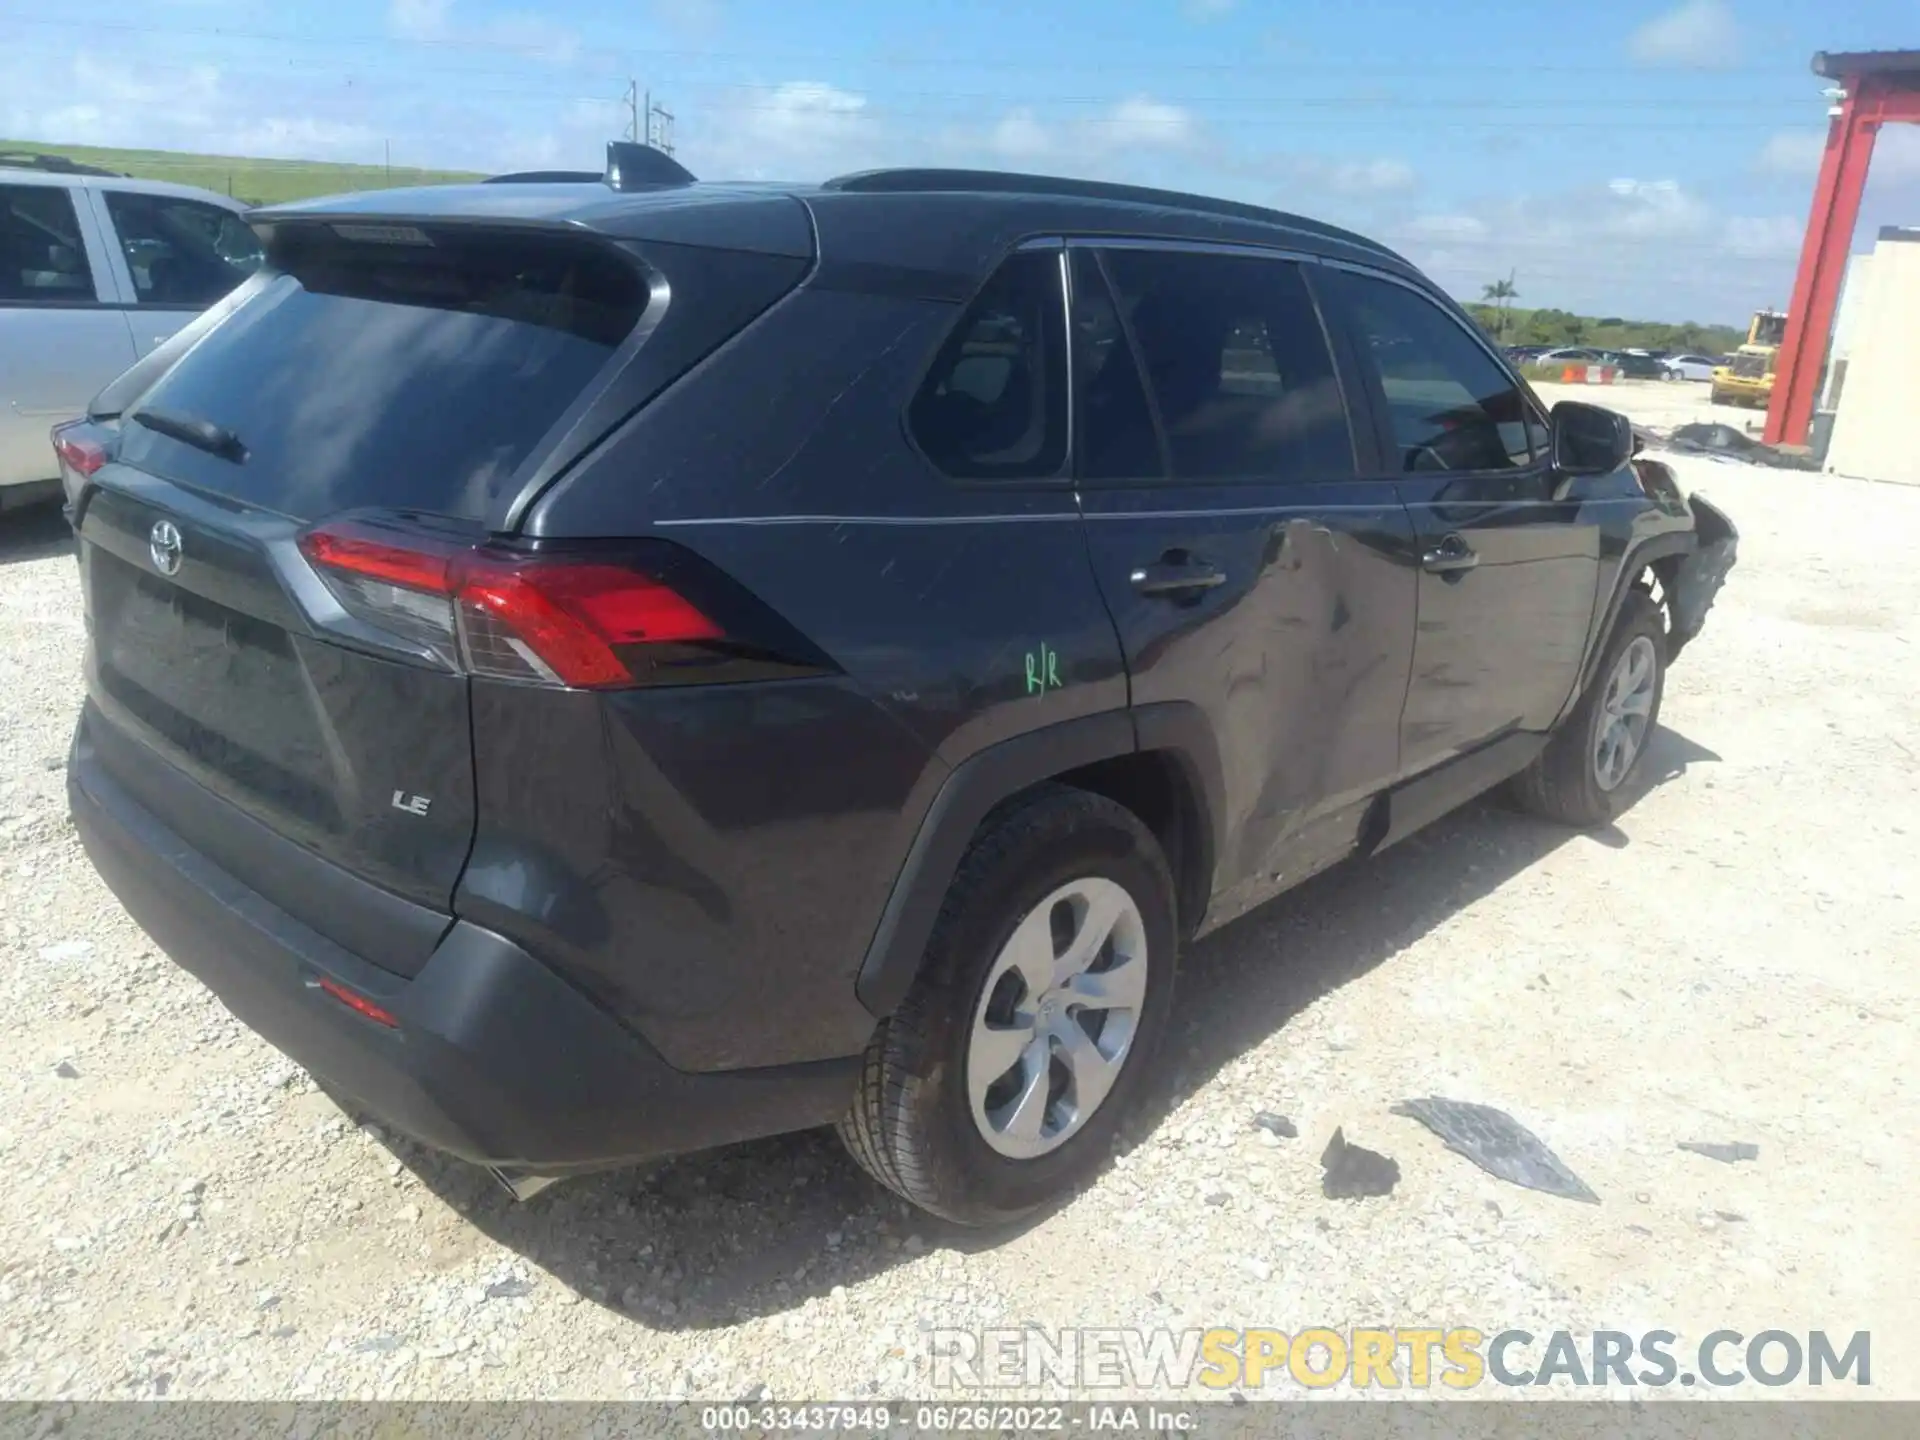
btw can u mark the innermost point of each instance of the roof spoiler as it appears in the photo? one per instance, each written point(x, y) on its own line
point(632, 166)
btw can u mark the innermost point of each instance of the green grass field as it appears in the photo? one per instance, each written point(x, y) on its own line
point(259, 182)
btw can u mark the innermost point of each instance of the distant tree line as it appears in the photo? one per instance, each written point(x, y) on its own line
point(1509, 325)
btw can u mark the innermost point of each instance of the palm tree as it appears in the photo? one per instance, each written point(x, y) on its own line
point(1498, 294)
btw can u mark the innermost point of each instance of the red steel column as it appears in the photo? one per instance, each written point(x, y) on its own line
point(1823, 264)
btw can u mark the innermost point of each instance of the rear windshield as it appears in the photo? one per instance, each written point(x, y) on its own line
point(415, 373)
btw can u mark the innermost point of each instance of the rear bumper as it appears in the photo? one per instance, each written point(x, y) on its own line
point(495, 1058)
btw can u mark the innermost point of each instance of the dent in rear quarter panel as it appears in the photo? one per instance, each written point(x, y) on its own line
point(961, 615)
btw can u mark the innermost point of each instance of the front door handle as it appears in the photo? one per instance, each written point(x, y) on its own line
point(1186, 576)
point(1451, 556)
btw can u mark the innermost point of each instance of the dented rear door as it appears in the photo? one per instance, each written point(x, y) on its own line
point(1247, 569)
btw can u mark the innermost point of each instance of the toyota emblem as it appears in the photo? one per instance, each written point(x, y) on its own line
point(163, 547)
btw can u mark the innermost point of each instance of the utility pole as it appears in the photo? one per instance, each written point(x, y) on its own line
point(647, 123)
point(389, 145)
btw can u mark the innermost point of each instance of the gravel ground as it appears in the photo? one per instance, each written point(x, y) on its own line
point(188, 1215)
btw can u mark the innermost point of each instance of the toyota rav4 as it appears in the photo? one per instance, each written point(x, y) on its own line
point(599, 667)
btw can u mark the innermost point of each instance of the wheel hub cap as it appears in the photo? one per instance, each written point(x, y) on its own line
point(1626, 710)
point(1056, 1017)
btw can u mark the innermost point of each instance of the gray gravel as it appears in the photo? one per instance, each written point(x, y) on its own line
point(188, 1215)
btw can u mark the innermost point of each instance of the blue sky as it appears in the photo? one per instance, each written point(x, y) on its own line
point(1648, 158)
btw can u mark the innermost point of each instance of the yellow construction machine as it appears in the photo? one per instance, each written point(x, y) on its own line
point(1748, 380)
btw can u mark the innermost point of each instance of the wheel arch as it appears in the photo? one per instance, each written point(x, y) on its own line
point(1658, 557)
point(1158, 761)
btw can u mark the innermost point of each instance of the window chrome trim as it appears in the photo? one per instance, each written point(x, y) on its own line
point(1070, 343)
point(1195, 247)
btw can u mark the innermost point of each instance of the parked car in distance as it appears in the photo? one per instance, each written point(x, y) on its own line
point(1690, 367)
point(1570, 355)
point(1636, 366)
point(96, 270)
point(570, 774)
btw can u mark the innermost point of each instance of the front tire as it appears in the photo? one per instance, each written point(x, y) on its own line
point(999, 1085)
point(1584, 775)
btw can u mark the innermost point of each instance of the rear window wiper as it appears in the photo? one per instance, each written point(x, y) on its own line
point(192, 430)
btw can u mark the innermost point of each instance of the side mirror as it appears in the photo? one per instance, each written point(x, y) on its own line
point(1588, 440)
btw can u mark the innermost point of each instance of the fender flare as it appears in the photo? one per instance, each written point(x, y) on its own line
point(999, 772)
point(1654, 547)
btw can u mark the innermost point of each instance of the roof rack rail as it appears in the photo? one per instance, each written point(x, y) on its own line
point(1003, 182)
point(54, 164)
point(546, 177)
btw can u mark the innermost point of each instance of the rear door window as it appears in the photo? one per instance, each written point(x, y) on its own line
point(183, 253)
point(414, 375)
point(1237, 365)
point(1451, 407)
point(994, 403)
point(43, 255)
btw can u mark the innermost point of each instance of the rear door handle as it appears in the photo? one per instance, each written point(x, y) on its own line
point(1451, 556)
point(1183, 577)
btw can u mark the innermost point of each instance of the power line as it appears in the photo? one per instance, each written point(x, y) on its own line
point(571, 44)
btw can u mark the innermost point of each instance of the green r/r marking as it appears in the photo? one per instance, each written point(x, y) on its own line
point(1043, 670)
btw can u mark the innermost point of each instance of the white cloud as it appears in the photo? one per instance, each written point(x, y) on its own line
point(192, 107)
point(1796, 154)
point(1896, 155)
point(688, 17)
point(1764, 237)
point(1792, 152)
point(1019, 136)
point(530, 35)
point(123, 105)
point(1145, 123)
point(1651, 248)
point(1135, 126)
point(303, 138)
point(419, 19)
point(1697, 34)
point(1448, 227)
point(1348, 190)
point(800, 130)
point(515, 31)
point(1372, 177)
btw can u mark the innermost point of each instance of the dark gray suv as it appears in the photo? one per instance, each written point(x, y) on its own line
point(600, 668)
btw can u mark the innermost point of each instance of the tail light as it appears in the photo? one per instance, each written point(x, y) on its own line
point(81, 447)
point(357, 1002)
point(583, 621)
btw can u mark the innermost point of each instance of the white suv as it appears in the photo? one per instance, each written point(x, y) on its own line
point(95, 271)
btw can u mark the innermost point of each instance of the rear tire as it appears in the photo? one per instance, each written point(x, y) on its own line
point(1586, 773)
point(1041, 878)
